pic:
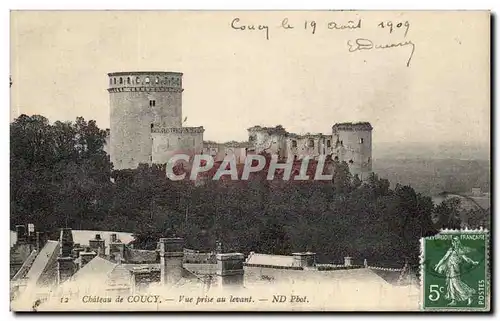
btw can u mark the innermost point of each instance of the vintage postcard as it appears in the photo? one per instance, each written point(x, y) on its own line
point(250, 161)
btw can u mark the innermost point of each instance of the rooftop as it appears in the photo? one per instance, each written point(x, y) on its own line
point(284, 261)
point(125, 73)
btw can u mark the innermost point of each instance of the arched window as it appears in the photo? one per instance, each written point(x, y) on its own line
point(165, 81)
point(128, 80)
point(146, 80)
point(138, 80)
point(157, 80)
point(121, 80)
point(114, 81)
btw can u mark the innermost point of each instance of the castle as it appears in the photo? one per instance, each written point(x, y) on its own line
point(146, 127)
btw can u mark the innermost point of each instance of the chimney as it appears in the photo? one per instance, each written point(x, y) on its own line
point(31, 234)
point(347, 261)
point(65, 264)
point(230, 271)
point(21, 234)
point(97, 245)
point(171, 256)
point(41, 239)
point(77, 249)
point(304, 259)
point(116, 249)
point(86, 256)
point(66, 242)
point(218, 247)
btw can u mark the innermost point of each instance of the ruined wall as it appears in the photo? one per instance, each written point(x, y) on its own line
point(308, 145)
point(223, 151)
point(170, 141)
point(353, 144)
point(272, 140)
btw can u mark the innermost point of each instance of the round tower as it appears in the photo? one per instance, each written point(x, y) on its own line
point(353, 144)
point(139, 102)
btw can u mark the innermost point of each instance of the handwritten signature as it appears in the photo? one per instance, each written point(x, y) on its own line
point(365, 44)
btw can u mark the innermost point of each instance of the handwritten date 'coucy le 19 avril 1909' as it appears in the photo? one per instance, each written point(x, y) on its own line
point(313, 26)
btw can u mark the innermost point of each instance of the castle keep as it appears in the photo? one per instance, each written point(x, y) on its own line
point(146, 127)
point(146, 119)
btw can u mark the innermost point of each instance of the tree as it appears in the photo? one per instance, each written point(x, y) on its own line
point(341, 178)
point(59, 173)
point(448, 214)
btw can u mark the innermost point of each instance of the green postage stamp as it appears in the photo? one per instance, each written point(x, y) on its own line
point(455, 271)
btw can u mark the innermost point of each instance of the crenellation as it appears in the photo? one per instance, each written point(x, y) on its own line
point(181, 130)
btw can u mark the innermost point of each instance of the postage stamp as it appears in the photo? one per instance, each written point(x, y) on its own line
point(454, 267)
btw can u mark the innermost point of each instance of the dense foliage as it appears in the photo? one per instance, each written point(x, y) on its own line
point(61, 176)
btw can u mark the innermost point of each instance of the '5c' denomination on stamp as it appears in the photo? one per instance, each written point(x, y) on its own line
point(455, 273)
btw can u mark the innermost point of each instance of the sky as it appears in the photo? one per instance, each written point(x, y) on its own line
point(235, 79)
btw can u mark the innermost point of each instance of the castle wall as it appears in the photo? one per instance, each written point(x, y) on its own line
point(354, 145)
point(170, 141)
point(308, 145)
point(273, 142)
point(239, 153)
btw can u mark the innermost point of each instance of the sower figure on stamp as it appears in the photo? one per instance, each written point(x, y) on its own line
point(449, 265)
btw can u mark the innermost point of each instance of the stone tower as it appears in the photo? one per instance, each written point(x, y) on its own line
point(353, 144)
point(140, 102)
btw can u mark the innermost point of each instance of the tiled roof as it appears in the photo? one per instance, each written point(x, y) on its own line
point(200, 269)
point(120, 276)
point(271, 260)
point(26, 266)
point(136, 267)
point(97, 269)
point(47, 255)
point(140, 256)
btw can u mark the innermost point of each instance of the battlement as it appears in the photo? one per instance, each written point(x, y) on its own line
point(307, 135)
point(280, 130)
point(360, 126)
point(152, 80)
point(177, 130)
point(269, 130)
